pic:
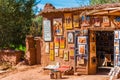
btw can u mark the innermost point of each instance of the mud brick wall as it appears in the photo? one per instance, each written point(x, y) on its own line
point(30, 50)
point(13, 57)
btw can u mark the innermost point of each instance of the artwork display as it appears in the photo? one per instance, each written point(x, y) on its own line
point(80, 61)
point(82, 40)
point(56, 42)
point(47, 30)
point(81, 49)
point(70, 36)
point(62, 42)
point(85, 21)
point(51, 45)
point(117, 21)
point(57, 25)
point(61, 53)
point(71, 52)
point(66, 55)
point(76, 21)
point(116, 34)
point(56, 52)
point(106, 21)
point(97, 21)
point(116, 42)
point(47, 47)
point(117, 50)
point(52, 57)
point(68, 20)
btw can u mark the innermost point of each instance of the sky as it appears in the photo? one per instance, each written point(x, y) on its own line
point(62, 3)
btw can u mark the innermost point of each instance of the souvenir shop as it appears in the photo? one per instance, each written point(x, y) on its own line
point(86, 38)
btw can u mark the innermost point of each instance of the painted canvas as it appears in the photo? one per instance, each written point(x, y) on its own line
point(66, 55)
point(56, 42)
point(116, 34)
point(62, 42)
point(56, 52)
point(57, 25)
point(52, 57)
point(117, 50)
point(76, 21)
point(70, 36)
point(85, 21)
point(97, 21)
point(106, 21)
point(116, 42)
point(47, 47)
point(81, 49)
point(82, 40)
point(61, 53)
point(68, 20)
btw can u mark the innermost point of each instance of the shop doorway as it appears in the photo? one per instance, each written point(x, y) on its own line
point(105, 49)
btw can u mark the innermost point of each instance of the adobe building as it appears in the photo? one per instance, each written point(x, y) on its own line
point(86, 38)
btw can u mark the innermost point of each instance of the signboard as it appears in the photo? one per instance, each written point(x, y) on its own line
point(47, 30)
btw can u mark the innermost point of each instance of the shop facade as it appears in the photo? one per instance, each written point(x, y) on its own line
point(85, 38)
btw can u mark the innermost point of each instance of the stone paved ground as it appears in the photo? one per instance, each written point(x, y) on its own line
point(36, 73)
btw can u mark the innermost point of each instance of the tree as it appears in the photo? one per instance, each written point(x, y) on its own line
point(15, 21)
point(94, 2)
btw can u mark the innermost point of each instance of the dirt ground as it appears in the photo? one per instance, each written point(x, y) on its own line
point(37, 73)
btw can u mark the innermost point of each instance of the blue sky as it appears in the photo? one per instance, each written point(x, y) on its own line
point(63, 3)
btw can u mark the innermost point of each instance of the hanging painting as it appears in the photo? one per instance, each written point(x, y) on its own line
point(82, 40)
point(68, 20)
point(116, 42)
point(116, 34)
point(80, 61)
point(52, 57)
point(70, 36)
point(85, 21)
point(76, 21)
point(117, 50)
point(56, 42)
point(106, 21)
point(62, 42)
point(56, 52)
point(61, 53)
point(47, 47)
point(51, 45)
point(47, 30)
point(71, 52)
point(81, 49)
point(97, 21)
point(66, 55)
point(57, 25)
point(117, 21)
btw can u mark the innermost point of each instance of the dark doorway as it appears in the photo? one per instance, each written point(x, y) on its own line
point(105, 49)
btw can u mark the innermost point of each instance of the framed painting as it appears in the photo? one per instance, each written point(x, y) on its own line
point(62, 42)
point(97, 21)
point(66, 55)
point(71, 53)
point(85, 21)
point(116, 42)
point(116, 34)
point(61, 53)
point(81, 49)
point(80, 61)
point(70, 37)
point(117, 21)
point(106, 21)
point(116, 50)
point(56, 52)
point(76, 21)
point(57, 25)
point(52, 57)
point(68, 20)
point(51, 45)
point(56, 42)
point(82, 40)
point(47, 47)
